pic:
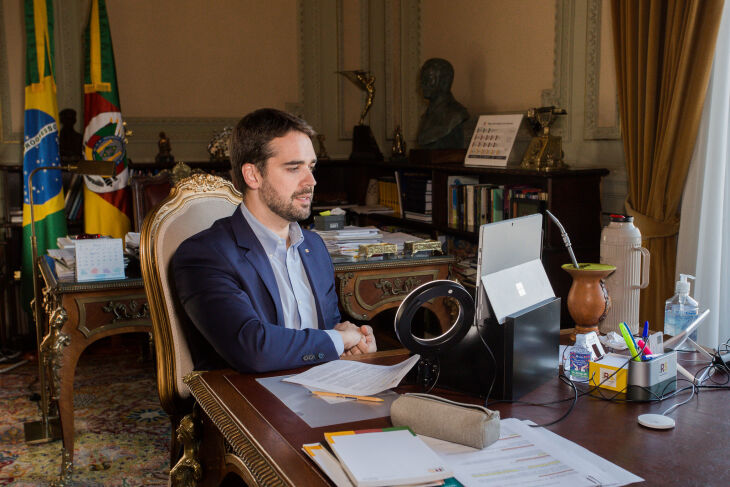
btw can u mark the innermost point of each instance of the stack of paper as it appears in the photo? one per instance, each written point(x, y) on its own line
point(525, 455)
point(64, 261)
point(354, 378)
point(374, 458)
point(345, 244)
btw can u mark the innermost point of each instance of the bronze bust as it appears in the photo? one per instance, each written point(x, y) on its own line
point(441, 126)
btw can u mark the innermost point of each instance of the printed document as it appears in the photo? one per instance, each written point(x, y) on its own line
point(352, 377)
point(524, 455)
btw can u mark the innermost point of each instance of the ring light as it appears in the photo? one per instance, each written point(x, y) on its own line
point(416, 299)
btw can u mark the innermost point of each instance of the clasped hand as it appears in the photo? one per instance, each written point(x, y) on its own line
point(357, 339)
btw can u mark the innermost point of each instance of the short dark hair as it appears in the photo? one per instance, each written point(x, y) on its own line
point(250, 139)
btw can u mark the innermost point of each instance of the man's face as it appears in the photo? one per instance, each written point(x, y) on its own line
point(288, 182)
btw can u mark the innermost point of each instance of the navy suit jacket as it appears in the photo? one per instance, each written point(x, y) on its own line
point(227, 287)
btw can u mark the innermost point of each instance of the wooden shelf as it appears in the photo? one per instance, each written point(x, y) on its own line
point(573, 195)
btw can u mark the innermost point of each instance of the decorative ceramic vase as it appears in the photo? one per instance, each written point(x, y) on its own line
point(588, 300)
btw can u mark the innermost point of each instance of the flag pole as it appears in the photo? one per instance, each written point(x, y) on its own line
point(39, 431)
point(48, 429)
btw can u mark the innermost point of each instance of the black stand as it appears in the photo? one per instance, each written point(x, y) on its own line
point(525, 349)
point(364, 145)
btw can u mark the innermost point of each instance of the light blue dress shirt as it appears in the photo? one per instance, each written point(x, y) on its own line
point(295, 292)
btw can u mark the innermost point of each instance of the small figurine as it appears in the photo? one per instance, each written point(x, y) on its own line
point(399, 144)
point(218, 145)
point(164, 155)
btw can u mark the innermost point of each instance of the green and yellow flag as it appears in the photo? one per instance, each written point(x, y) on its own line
point(107, 201)
point(40, 144)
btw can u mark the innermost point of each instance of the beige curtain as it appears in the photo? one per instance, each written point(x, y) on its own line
point(664, 51)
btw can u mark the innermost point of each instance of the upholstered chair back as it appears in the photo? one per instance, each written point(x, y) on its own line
point(193, 204)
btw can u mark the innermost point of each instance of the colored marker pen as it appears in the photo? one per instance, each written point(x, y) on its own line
point(644, 347)
point(629, 341)
point(645, 333)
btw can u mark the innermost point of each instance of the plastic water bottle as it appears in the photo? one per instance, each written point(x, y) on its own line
point(580, 357)
point(680, 310)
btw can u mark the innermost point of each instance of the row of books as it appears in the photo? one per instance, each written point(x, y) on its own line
point(416, 196)
point(408, 194)
point(471, 204)
point(388, 193)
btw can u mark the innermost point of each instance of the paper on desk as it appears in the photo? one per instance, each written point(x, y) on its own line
point(617, 475)
point(352, 377)
point(529, 456)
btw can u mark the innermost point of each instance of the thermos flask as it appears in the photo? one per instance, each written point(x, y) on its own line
point(621, 247)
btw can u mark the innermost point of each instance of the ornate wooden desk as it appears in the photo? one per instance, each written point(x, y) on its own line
point(78, 315)
point(243, 431)
point(366, 289)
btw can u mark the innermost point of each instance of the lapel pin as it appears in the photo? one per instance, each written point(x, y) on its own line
point(306, 250)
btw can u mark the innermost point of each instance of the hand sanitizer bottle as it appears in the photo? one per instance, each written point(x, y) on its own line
point(580, 357)
point(681, 309)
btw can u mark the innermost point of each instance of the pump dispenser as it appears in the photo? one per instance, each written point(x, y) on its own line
point(680, 310)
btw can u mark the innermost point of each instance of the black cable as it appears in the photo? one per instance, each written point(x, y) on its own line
point(570, 409)
point(494, 363)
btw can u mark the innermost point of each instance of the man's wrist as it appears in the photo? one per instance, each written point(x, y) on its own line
point(336, 341)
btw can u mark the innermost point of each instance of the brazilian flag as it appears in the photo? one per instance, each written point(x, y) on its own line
point(40, 144)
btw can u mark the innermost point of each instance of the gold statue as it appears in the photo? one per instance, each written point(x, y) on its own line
point(545, 151)
point(364, 145)
point(366, 82)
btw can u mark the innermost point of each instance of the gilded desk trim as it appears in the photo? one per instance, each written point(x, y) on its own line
point(115, 323)
point(260, 468)
point(389, 264)
point(400, 285)
point(346, 272)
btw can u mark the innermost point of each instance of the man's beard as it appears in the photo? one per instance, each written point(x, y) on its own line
point(286, 209)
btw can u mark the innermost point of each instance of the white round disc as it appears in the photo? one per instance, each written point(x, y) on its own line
point(656, 421)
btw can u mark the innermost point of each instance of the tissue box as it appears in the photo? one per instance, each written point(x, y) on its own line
point(329, 222)
point(610, 363)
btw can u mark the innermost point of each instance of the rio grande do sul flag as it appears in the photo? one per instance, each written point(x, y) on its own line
point(40, 140)
point(107, 201)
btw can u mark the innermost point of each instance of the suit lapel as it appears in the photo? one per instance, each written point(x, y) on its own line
point(314, 279)
point(254, 253)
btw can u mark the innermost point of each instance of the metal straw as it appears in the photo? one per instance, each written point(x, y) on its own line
point(566, 239)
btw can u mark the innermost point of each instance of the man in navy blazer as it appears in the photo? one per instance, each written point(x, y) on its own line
point(258, 289)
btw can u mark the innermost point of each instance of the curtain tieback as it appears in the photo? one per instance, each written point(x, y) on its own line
point(652, 228)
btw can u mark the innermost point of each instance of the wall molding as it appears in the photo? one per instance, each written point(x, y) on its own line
point(189, 136)
point(560, 94)
point(10, 147)
point(591, 130)
point(322, 94)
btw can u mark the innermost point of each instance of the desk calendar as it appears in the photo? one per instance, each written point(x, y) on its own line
point(498, 140)
point(99, 259)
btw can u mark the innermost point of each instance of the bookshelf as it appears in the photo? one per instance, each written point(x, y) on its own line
point(573, 195)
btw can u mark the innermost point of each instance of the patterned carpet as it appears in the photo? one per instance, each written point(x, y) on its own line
point(122, 434)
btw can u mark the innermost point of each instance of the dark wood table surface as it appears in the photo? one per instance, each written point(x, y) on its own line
point(267, 436)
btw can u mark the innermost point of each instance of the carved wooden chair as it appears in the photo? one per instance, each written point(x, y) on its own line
point(193, 205)
point(149, 190)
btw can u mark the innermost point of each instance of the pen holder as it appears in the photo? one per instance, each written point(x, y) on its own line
point(643, 381)
point(652, 379)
